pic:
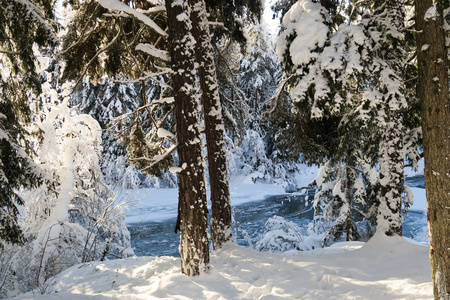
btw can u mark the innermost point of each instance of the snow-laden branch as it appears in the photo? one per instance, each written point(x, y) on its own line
point(158, 158)
point(152, 10)
point(164, 133)
point(35, 12)
point(151, 76)
point(117, 5)
point(168, 100)
point(153, 51)
point(216, 24)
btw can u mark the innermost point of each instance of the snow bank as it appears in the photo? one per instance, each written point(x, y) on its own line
point(384, 268)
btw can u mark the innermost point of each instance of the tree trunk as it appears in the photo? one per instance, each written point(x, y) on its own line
point(390, 218)
point(194, 246)
point(350, 179)
point(433, 92)
point(218, 175)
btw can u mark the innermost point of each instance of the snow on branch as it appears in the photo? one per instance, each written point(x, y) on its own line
point(153, 51)
point(221, 24)
point(148, 76)
point(36, 13)
point(159, 158)
point(164, 133)
point(168, 100)
point(152, 10)
point(117, 5)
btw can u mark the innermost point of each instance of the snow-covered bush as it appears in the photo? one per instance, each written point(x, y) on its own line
point(78, 218)
point(281, 235)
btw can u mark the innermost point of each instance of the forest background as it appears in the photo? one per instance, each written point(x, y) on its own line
point(87, 108)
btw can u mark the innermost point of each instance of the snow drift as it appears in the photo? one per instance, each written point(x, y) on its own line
point(384, 268)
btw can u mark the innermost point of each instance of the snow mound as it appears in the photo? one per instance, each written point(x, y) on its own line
point(384, 268)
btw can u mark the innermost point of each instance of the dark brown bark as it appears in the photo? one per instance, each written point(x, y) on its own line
point(433, 92)
point(194, 246)
point(218, 175)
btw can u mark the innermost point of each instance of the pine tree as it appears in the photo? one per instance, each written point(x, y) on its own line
point(323, 69)
point(349, 80)
point(194, 246)
point(214, 127)
point(259, 72)
point(192, 198)
point(433, 92)
point(23, 23)
point(386, 104)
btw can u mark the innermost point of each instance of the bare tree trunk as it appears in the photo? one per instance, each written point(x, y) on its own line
point(194, 245)
point(433, 91)
point(218, 175)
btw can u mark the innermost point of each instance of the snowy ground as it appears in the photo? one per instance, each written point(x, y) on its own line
point(384, 268)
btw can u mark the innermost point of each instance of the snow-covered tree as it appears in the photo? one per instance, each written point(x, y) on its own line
point(81, 221)
point(214, 126)
point(383, 106)
point(192, 205)
point(347, 84)
point(24, 24)
point(324, 65)
point(75, 219)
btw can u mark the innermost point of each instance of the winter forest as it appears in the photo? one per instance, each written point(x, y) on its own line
point(214, 149)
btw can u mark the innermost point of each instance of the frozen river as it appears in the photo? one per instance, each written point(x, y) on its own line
point(156, 238)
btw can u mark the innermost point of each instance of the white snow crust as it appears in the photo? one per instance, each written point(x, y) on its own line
point(383, 268)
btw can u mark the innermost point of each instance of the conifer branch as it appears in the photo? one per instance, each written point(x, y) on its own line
point(93, 58)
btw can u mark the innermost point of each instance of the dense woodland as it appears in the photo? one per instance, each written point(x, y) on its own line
point(99, 96)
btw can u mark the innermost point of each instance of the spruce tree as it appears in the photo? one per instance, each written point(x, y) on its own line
point(23, 23)
point(347, 82)
point(386, 103)
point(322, 71)
point(214, 127)
point(194, 246)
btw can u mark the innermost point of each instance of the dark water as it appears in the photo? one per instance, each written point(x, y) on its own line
point(158, 238)
point(416, 181)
